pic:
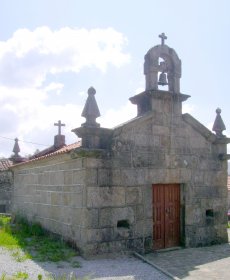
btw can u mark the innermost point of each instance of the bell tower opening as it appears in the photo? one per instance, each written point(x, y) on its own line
point(162, 75)
point(162, 68)
point(160, 61)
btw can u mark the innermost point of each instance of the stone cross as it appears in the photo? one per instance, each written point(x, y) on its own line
point(163, 38)
point(59, 124)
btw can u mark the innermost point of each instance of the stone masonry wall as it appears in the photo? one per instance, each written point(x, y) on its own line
point(117, 209)
point(156, 150)
point(6, 182)
point(52, 192)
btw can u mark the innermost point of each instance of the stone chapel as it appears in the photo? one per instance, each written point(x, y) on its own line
point(154, 182)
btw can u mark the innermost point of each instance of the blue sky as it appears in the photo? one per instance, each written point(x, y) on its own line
point(52, 51)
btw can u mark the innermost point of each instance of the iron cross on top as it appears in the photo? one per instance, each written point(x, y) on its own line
point(59, 124)
point(163, 38)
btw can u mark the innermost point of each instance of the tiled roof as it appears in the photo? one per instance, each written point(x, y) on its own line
point(62, 150)
point(47, 151)
point(5, 164)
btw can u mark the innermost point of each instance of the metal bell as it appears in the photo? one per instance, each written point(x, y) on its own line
point(162, 79)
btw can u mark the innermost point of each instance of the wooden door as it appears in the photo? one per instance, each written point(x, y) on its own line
point(166, 215)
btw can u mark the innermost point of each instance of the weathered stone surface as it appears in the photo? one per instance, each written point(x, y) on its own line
point(105, 196)
point(147, 198)
point(68, 177)
point(111, 216)
point(45, 197)
point(99, 235)
point(140, 212)
point(91, 218)
point(133, 176)
point(79, 176)
point(104, 176)
point(72, 164)
point(93, 163)
point(156, 175)
point(78, 216)
point(133, 195)
point(53, 200)
point(194, 214)
point(56, 198)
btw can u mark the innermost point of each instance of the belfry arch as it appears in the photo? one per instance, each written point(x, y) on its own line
point(164, 60)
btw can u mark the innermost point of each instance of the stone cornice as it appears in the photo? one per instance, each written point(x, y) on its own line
point(204, 131)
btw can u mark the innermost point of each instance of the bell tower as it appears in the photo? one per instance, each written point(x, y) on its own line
point(162, 67)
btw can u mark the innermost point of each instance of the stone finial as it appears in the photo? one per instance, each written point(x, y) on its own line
point(16, 148)
point(218, 125)
point(91, 111)
point(163, 38)
point(16, 158)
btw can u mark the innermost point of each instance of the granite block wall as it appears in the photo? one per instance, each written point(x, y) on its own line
point(6, 183)
point(183, 152)
point(52, 193)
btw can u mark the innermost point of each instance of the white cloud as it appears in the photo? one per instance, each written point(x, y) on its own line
point(139, 90)
point(114, 117)
point(26, 60)
point(42, 128)
point(187, 108)
point(27, 57)
point(209, 126)
point(57, 87)
point(25, 114)
point(82, 93)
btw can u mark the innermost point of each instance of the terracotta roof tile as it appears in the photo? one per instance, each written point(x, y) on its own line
point(5, 164)
point(62, 150)
point(47, 151)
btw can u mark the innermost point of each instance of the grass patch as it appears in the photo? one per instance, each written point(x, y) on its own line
point(8, 240)
point(17, 276)
point(24, 276)
point(21, 275)
point(4, 220)
point(70, 276)
point(20, 256)
point(30, 240)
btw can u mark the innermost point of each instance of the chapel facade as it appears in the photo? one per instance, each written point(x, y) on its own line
point(157, 181)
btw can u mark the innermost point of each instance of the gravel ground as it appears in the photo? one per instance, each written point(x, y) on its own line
point(118, 268)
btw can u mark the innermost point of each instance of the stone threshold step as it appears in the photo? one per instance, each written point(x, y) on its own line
point(168, 249)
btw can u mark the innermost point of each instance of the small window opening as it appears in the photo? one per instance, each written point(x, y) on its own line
point(123, 224)
point(209, 213)
point(2, 208)
point(209, 217)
